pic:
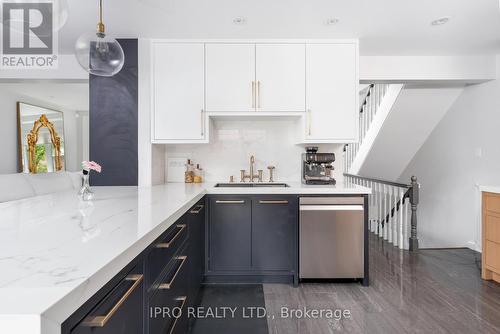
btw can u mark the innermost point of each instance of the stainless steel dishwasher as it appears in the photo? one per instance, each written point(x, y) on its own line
point(331, 237)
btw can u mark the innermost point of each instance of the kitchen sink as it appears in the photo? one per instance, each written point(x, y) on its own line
point(251, 185)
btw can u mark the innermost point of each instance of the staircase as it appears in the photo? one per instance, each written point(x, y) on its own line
point(392, 205)
point(395, 124)
point(375, 108)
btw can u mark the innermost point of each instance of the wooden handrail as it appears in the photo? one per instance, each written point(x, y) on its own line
point(366, 97)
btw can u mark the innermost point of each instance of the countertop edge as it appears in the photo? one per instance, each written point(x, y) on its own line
point(65, 307)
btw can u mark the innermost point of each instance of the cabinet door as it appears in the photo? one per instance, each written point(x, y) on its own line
point(230, 77)
point(196, 220)
point(230, 233)
point(120, 312)
point(178, 86)
point(274, 233)
point(332, 92)
point(281, 81)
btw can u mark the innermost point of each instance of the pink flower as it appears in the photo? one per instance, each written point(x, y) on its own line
point(91, 165)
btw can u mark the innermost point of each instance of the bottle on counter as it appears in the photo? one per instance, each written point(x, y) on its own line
point(189, 173)
point(198, 174)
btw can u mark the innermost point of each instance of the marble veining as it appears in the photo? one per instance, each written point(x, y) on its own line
point(57, 251)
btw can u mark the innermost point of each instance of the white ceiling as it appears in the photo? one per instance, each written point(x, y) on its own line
point(395, 27)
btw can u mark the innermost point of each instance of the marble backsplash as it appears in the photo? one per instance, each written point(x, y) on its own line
point(232, 142)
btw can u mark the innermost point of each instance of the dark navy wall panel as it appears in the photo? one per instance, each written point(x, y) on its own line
point(113, 122)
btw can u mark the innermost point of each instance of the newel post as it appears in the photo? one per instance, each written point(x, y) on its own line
point(414, 202)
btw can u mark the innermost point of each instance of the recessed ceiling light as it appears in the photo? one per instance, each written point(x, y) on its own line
point(239, 20)
point(331, 21)
point(440, 21)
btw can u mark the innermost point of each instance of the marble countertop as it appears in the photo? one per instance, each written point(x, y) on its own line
point(294, 188)
point(56, 251)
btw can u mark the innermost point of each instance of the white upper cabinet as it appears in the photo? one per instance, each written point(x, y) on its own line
point(316, 81)
point(280, 76)
point(230, 77)
point(332, 92)
point(178, 90)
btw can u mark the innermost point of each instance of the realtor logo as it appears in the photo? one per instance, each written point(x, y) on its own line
point(28, 38)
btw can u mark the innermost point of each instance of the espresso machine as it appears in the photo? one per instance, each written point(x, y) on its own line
point(317, 167)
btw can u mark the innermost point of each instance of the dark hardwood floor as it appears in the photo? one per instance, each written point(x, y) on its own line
point(433, 291)
point(237, 297)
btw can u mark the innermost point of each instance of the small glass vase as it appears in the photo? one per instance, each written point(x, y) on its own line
point(85, 193)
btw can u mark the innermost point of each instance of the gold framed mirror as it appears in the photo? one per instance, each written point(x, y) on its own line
point(41, 139)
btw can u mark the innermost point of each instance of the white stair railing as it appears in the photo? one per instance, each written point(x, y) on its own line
point(392, 212)
point(367, 113)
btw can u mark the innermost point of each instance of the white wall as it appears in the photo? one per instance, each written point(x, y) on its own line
point(151, 157)
point(469, 69)
point(461, 152)
point(232, 142)
point(68, 69)
point(415, 113)
point(8, 132)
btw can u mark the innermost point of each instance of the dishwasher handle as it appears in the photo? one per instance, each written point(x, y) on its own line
point(331, 208)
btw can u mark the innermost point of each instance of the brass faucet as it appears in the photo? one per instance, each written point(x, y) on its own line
point(251, 176)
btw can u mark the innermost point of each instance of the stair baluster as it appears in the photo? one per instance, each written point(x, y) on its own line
point(392, 210)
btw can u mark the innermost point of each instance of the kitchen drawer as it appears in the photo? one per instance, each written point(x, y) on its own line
point(119, 312)
point(492, 255)
point(493, 228)
point(164, 249)
point(175, 321)
point(492, 202)
point(168, 293)
point(180, 324)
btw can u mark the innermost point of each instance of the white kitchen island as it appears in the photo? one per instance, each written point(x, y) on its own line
point(57, 251)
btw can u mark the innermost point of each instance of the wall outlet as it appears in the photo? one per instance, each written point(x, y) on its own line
point(175, 169)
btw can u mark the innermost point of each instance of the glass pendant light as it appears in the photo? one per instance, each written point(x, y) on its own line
point(99, 54)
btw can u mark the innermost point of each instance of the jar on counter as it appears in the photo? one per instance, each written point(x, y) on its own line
point(189, 173)
point(198, 174)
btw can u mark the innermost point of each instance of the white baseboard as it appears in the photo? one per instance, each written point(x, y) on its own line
point(474, 246)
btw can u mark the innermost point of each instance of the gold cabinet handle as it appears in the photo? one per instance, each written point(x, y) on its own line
point(168, 285)
point(273, 202)
point(183, 299)
point(196, 211)
point(253, 94)
point(231, 202)
point(202, 123)
point(258, 94)
point(181, 227)
point(101, 320)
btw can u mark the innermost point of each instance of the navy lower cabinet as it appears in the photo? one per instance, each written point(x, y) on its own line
point(230, 233)
point(252, 238)
point(274, 233)
point(120, 311)
point(169, 297)
point(196, 222)
point(151, 295)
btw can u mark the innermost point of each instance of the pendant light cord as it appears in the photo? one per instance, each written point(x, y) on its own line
point(100, 25)
point(100, 11)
